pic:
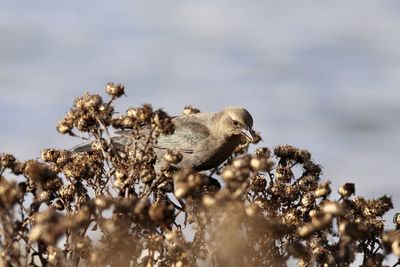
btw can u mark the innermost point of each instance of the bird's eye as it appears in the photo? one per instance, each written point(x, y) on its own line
point(236, 123)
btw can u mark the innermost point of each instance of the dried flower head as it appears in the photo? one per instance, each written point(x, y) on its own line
point(173, 157)
point(347, 190)
point(258, 183)
point(10, 193)
point(189, 110)
point(396, 220)
point(261, 163)
point(189, 183)
point(115, 90)
point(7, 160)
point(253, 210)
point(323, 190)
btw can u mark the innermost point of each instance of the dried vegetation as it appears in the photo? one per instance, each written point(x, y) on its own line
point(108, 207)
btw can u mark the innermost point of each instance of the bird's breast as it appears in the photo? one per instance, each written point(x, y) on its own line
point(214, 152)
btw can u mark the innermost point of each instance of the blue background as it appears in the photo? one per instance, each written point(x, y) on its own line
point(315, 74)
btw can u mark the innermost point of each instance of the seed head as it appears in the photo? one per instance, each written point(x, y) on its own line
point(308, 200)
point(189, 110)
point(162, 212)
point(258, 183)
point(331, 207)
point(7, 160)
point(263, 151)
point(88, 102)
point(115, 90)
point(285, 151)
point(39, 172)
point(261, 163)
point(283, 174)
point(323, 189)
point(241, 163)
point(10, 193)
point(142, 115)
point(396, 220)
point(64, 126)
point(173, 157)
point(347, 190)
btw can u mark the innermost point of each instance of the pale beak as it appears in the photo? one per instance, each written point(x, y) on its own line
point(248, 134)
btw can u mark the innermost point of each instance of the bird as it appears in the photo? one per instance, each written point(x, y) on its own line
point(204, 139)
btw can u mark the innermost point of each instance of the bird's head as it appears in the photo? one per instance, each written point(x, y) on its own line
point(237, 121)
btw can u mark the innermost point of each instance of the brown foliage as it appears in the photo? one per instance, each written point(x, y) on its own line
point(108, 207)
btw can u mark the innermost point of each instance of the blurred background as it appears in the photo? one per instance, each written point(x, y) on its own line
point(318, 75)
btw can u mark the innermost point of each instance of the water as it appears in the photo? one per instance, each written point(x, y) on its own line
point(321, 76)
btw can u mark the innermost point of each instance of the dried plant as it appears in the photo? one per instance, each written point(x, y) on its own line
point(108, 206)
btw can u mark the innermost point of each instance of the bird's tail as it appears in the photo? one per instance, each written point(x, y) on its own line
point(116, 141)
point(85, 147)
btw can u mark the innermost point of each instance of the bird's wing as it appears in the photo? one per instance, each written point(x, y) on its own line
point(188, 133)
point(85, 147)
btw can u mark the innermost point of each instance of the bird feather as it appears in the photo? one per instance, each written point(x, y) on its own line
point(183, 139)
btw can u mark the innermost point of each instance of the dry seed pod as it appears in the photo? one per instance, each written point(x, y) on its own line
point(283, 174)
point(141, 224)
point(308, 200)
point(396, 220)
point(39, 172)
point(396, 247)
point(263, 151)
point(7, 160)
point(306, 230)
point(115, 90)
point(64, 126)
point(189, 110)
point(229, 173)
point(261, 163)
point(302, 155)
point(323, 189)
point(241, 163)
point(285, 151)
point(49, 155)
point(347, 190)
point(258, 183)
point(331, 207)
point(10, 193)
point(173, 157)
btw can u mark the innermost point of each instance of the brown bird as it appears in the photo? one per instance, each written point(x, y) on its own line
point(205, 140)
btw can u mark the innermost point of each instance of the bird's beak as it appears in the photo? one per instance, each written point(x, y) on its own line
point(247, 133)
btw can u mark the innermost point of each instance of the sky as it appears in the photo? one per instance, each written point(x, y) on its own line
point(320, 75)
